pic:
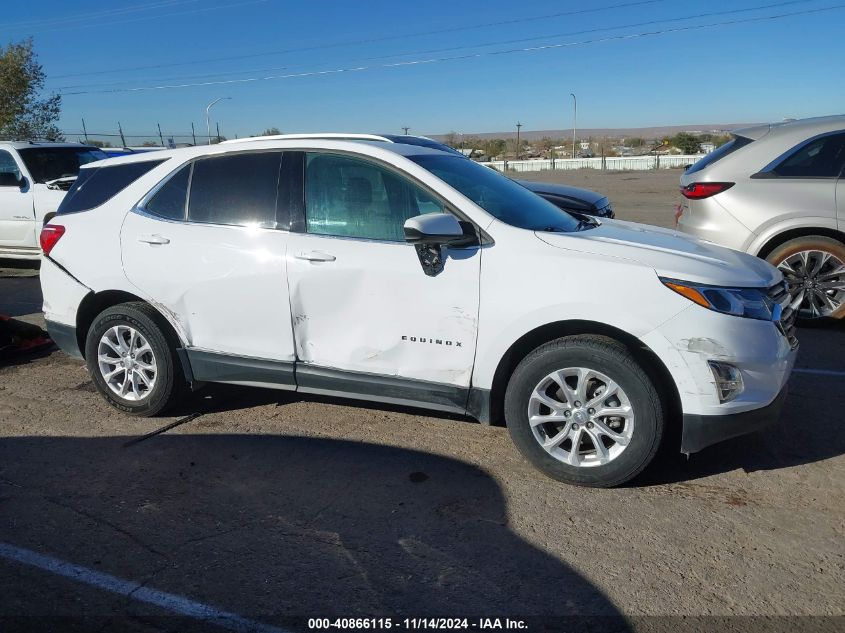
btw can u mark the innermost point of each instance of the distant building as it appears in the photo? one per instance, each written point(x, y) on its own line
point(706, 148)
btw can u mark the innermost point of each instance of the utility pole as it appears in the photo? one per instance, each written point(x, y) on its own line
point(122, 140)
point(160, 137)
point(406, 130)
point(84, 131)
point(218, 131)
point(574, 120)
point(518, 125)
point(207, 122)
point(193, 133)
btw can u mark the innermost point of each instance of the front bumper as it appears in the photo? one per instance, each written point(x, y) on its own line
point(700, 431)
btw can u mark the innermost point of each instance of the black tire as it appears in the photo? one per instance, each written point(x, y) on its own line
point(169, 384)
point(811, 243)
point(612, 359)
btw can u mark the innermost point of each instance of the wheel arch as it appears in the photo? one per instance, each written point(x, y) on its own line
point(791, 234)
point(654, 366)
point(95, 302)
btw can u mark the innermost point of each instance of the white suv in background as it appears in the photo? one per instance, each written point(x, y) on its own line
point(34, 178)
point(777, 192)
point(396, 273)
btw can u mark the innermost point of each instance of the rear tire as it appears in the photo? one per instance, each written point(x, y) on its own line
point(814, 269)
point(601, 378)
point(131, 357)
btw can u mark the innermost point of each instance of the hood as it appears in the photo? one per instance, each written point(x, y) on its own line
point(590, 198)
point(670, 253)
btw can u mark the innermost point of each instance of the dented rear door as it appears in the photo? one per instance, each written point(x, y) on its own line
point(360, 299)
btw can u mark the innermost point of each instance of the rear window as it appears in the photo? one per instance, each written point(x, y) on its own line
point(46, 164)
point(96, 185)
point(719, 153)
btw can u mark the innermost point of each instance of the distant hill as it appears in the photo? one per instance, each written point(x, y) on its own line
point(642, 132)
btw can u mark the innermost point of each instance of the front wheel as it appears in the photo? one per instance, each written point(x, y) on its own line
point(814, 270)
point(132, 360)
point(583, 411)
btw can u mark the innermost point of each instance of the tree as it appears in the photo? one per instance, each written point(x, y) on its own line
point(24, 113)
point(494, 147)
point(686, 142)
point(452, 139)
point(271, 131)
point(96, 143)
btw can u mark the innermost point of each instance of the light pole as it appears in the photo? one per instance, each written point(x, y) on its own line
point(574, 120)
point(406, 130)
point(518, 125)
point(207, 122)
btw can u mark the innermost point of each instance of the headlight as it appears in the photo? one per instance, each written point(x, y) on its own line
point(752, 303)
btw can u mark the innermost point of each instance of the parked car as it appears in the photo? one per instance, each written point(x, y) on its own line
point(778, 192)
point(572, 199)
point(395, 273)
point(34, 178)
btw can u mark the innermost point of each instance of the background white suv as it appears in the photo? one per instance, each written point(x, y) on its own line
point(401, 274)
point(777, 191)
point(33, 180)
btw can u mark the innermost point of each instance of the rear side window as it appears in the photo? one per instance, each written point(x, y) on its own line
point(240, 189)
point(169, 201)
point(820, 158)
point(96, 185)
point(719, 153)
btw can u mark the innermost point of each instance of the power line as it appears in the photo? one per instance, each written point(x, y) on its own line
point(449, 49)
point(364, 41)
point(97, 14)
point(417, 62)
point(152, 17)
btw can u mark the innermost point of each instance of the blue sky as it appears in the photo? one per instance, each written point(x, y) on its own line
point(747, 72)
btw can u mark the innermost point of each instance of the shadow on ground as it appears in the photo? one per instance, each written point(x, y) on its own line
point(271, 527)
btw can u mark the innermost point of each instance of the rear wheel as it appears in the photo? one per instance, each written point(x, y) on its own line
point(583, 411)
point(132, 360)
point(814, 270)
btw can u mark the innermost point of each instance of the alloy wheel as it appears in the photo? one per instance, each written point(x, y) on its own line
point(126, 362)
point(581, 417)
point(816, 282)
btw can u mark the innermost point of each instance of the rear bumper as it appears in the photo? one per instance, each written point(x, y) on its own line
point(700, 431)
point(65, 337)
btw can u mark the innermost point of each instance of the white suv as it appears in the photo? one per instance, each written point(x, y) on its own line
point(33, 180)
point(401, 274)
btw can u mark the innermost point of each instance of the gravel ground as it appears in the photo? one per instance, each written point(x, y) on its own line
point(270, 505)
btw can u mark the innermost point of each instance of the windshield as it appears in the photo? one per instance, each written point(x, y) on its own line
point(498, 195)
point(49, 163)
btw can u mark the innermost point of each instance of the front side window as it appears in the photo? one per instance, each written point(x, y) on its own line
point(350, 197)
point(8, 165)
point(239, 189)
point(169, 201)
point(821, 158)
point(51, 163)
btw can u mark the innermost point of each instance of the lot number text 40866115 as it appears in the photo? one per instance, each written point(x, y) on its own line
point(417, 624)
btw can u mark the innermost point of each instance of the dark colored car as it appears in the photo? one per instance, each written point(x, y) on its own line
point(572, 198)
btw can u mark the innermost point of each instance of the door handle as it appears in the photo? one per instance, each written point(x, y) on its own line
point(153, 239)
point(315, 256)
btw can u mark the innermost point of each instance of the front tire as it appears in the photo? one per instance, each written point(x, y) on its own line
point(814, 269)
point(583, 411)
point(132, 360)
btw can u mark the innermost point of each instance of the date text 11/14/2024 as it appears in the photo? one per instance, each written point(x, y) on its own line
point(417, 624)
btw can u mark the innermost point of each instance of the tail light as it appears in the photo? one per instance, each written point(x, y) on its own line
point(701, 190)
point(50, 235)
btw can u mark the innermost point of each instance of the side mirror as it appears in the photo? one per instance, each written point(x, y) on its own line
point(434, 228)
point(8, 179)
point(429, 233)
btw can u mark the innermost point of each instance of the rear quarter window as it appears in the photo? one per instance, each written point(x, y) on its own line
point(96, 185)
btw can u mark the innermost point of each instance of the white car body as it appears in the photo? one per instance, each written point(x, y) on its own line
point(24, 207)
point(323, 314)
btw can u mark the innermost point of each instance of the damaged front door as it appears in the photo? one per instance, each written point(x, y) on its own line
point(362, 307)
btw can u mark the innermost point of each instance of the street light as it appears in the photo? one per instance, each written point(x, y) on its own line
point(518, 125)
point(574, 120)
point(207, 122)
